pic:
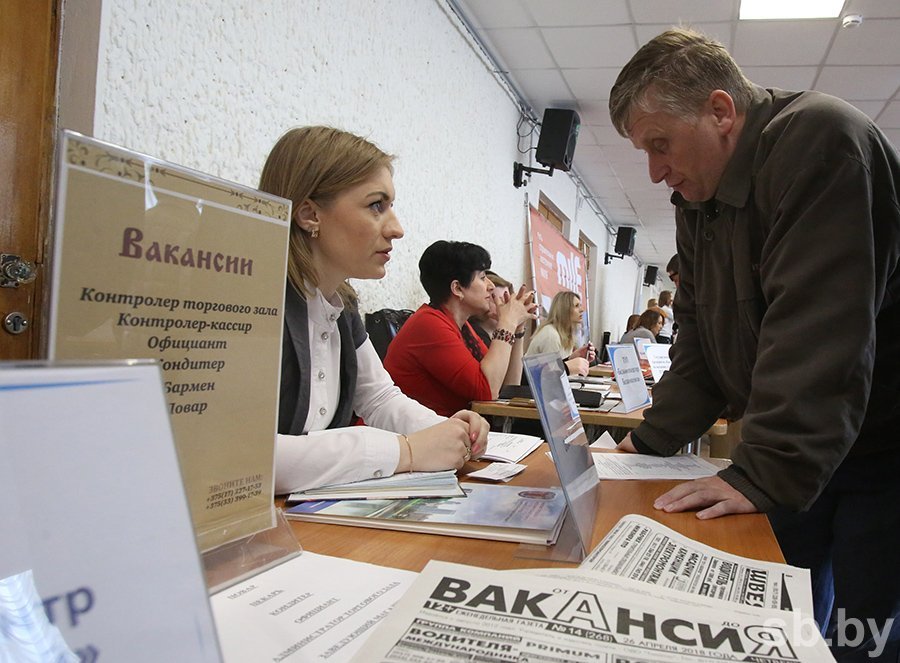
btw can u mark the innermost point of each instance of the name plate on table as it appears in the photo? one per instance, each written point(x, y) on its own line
point(156, 261)
point(99, 560)
point(629, 376)
point(641, 344)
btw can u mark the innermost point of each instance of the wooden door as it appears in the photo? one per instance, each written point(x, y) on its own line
point(29, 41)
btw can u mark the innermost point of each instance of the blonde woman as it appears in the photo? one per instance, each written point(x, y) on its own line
point(343, 227)
point(665, 306)
point(558, 334)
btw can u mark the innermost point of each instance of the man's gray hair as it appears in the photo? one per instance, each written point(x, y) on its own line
point(675, 72)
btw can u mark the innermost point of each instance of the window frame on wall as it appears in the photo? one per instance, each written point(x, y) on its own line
point(586, 247)
point(556, 220)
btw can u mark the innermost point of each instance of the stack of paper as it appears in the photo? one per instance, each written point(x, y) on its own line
point(510, 447)
point(502, 513)
point(398, 486)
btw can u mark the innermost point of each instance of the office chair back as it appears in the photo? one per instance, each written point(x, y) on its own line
point(382, 326)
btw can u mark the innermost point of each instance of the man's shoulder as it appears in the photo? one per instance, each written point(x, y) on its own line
point(818, 123)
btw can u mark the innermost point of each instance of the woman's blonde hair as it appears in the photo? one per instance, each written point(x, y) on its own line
point(560, 317)
point(317, 163)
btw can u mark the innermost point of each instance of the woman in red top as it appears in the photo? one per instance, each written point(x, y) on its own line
point(436, 357)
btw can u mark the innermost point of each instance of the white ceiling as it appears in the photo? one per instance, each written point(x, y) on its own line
point(567, 54)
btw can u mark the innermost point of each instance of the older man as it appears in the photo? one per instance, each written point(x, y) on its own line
point(778, 197)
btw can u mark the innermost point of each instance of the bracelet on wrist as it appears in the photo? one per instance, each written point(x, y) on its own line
point(409, 448)
point(503, 335)
point(520, 334)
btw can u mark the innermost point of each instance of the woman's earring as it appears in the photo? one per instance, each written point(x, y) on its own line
point(314, 233)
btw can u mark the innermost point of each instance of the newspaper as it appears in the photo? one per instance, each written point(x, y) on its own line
point(643, 549)
point(454, 612)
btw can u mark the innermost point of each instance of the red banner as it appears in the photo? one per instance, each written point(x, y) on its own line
point(556, 263)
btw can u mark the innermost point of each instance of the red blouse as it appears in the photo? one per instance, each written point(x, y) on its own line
point(429, 361)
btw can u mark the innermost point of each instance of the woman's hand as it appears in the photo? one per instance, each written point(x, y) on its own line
point(443, 446)
point(577, 366)
point(587, 351)
point(515, 310)
point(478, 431)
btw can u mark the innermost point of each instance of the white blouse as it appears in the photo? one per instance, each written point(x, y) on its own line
point(321, 457)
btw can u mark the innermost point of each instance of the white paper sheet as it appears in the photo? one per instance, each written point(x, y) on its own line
point(658, 356)
point(510, 447)
point(605, 441)
point(311, 608)
point(640, 466)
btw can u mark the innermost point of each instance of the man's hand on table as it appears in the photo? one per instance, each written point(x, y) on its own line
point(712, 495)
point(718, 496)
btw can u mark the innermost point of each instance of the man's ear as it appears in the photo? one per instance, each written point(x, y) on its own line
point(721, 106)
point(305, 216)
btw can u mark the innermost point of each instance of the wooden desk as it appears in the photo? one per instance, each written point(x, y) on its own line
point(588, 417)
point(748, 535)
point(601, 371)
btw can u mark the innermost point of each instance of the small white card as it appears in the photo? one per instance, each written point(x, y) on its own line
point(658, 356)
point(629, 377)
point(497, 472)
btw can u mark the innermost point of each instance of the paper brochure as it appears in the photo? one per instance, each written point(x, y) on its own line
point(502, 513)
point(510, 447)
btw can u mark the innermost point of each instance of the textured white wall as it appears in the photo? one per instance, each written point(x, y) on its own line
point(212, 86)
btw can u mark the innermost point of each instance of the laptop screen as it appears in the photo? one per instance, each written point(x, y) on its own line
point(567, 439)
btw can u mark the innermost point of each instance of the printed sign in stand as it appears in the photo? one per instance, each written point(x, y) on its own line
point(99, 560)
point(153, 260)
point(658, 356)
point(628, 376)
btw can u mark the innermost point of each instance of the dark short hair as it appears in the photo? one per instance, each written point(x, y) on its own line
point(672, 265)
point(444, 262)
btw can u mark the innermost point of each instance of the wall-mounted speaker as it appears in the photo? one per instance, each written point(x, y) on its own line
point(559, 133)
point(625, 240)
point(650, 274)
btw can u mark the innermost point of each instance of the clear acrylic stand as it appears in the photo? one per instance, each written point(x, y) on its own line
point(568, 546)
point(233, 562)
